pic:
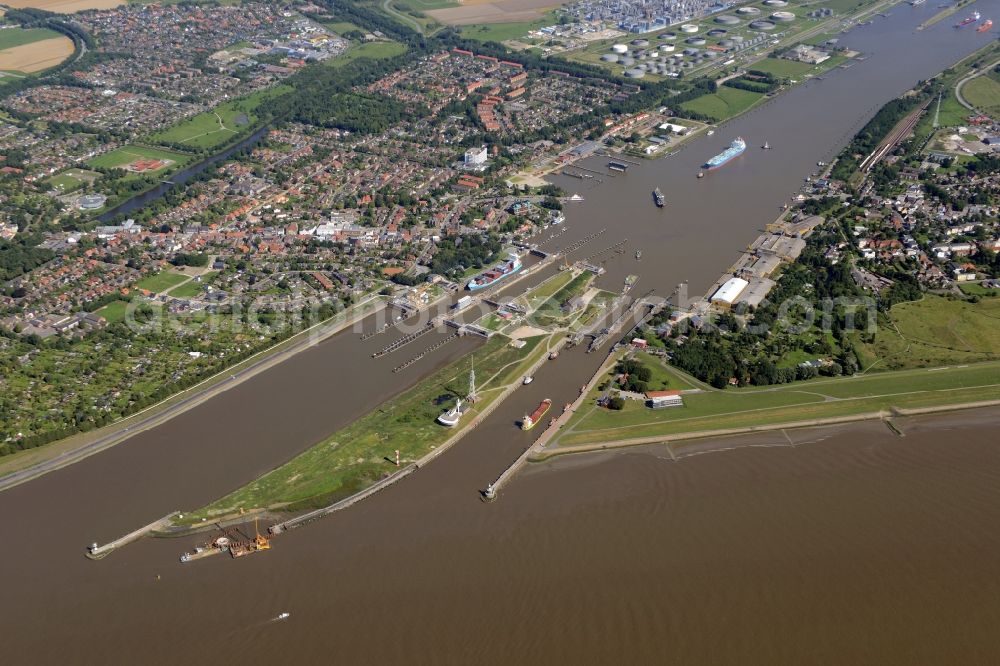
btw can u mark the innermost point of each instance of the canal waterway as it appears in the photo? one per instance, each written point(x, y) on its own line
point(856, 547)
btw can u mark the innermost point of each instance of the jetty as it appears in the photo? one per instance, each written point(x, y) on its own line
point(96, 552)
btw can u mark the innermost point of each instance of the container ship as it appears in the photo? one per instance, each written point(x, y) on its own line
point(971, 19)
point(987, 24)
point(734, 150)
point(495, 274)
point(528, 422)
point(658, 198)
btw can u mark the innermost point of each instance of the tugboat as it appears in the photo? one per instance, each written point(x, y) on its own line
point(658, 198)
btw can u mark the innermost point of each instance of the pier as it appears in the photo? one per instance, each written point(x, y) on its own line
point(96, 552)
point(405, 340)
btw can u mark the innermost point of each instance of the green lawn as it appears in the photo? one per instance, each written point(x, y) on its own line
point(975, 289)
point(424, 5)
point(12, 37)
point(983, 92)
point(125, 155)
point(220, 126)
point(113, 311)
point(801, 401)
point(723, 104)
point(781, 67)
point(340, 27)
point(499, 32)
point(373, 50)
point(71, 179)
point(161, 282)
point(358, 455)
point(936, 331)
point(193, 288)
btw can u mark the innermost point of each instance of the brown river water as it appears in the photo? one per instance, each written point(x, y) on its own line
point(856, 547)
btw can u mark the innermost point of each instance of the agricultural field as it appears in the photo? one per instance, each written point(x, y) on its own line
point(491, 13)
point(161, 282)
point(64, 6)
point(219, 126)
point(723, 104)
point(358, 455)
point(935, 331)
point(32, 50)
point(501, 32)
point(136, 159)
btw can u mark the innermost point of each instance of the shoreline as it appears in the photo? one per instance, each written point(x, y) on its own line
point(59, 454)
point(544, 455)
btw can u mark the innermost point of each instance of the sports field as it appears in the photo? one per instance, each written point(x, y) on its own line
point(71, 179)
point(125, 156)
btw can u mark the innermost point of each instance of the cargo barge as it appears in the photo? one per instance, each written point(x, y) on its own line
point(658, 198)
point(529, 421)
point(495, 274)
point(971, 19)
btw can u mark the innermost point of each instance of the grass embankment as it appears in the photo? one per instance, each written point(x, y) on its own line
point(360, 454)
point(791, 403)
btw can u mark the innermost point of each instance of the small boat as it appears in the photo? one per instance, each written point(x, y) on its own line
point(711, 132)
point(766, 146)
point(553, 356)
point(987, 24)
point(701, 174)
point(658, 198)
point(283, 616)
point(527, 380)
point(638, 254)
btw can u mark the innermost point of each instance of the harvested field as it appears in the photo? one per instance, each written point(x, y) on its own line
point(493, 11)
point(64, 6)
point(36, 56)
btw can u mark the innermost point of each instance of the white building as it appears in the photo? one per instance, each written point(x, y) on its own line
point(475, 156)
point(730, 291)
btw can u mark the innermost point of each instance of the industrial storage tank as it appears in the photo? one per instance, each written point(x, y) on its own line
point(695, 41)
point(690, 52)
point(762, 25)
point(640, 42)
point(610, 57)
point(619, 49)
point(689, 28)
point(783, 17)
point(727, 43)
point(748, 11)
point(775, 3)
point(716, 32)
point(635, 73)
point(668, 36)
point(627, 61)
point(727, 19)
point(667, 47)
